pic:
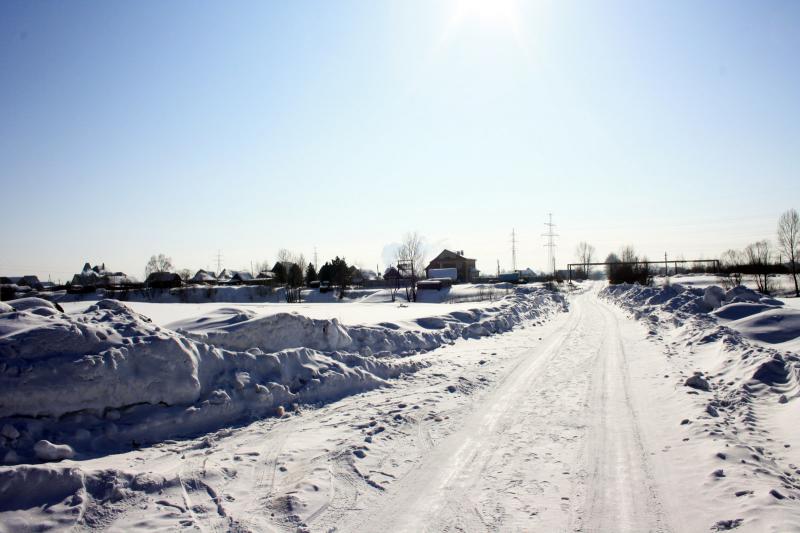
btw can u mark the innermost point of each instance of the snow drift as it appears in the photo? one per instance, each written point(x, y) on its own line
point(757, 359)
point(108, 378)
point(737, 318)
point(240, 329)
point(738, 349)
point(740, 309)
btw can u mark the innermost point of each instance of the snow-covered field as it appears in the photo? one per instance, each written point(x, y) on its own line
point(346, 313)
point(365, 306)
point(619, 409)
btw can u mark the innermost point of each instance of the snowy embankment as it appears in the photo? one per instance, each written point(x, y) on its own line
point(740, 313)
point(107, 378)
point(737, 353)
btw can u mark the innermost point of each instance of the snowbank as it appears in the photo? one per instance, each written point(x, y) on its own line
point(53, 363)
point(108, 378)
point(739, 351)
point(241, 329)
point(771, 325)
point(743, 370)
point(740, 309)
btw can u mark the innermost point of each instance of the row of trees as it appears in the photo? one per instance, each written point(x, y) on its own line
point(759, 260)
point(627, 268)
point(300, 273)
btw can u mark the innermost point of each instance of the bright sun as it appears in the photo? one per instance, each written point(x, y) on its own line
point(494, 16)
point(502, 14)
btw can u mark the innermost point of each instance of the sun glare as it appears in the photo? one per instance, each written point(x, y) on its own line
point(501, 14)
point(501, 17)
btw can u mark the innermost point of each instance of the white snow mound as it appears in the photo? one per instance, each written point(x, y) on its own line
point(108, 378)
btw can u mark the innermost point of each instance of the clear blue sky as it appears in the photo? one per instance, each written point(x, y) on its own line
point(132, 128)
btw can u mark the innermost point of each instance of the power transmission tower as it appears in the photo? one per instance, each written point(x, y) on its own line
point(551, 244)
point(219, 262)
point(513, 250)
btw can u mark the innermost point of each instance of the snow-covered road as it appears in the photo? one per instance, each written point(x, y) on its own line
point(535, 429)
point(521, 456)
point(579, 423)
point(556, 442)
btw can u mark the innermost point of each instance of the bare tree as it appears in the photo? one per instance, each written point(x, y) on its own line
point(262, 266)
point(789, 241)
point(285, 256)
point(627, 254)
point(757, 256)
point(300, 260)
point(411, 262)
point(585, 253)
point(732, 261)
point(288, 256)
point(185, 274)
point(158, 263)
point(412, 251)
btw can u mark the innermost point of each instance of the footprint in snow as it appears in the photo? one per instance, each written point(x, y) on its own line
point(725, 525)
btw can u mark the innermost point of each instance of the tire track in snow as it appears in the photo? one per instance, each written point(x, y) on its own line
point(619, 485)
point(439, 493)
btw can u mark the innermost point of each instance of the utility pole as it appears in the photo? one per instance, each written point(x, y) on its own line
point(316, 263)
point(666, 265)
point(551, 244)
point(498, 268)
point(513, 250)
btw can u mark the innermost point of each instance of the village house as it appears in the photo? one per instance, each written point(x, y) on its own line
point(391, 274)
point(266, 274)
point(287, 266)
point(203, 276)
point(24, 281)
point(240, 276)
point(465, 268)
point(99, 277)
point(163, 280)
